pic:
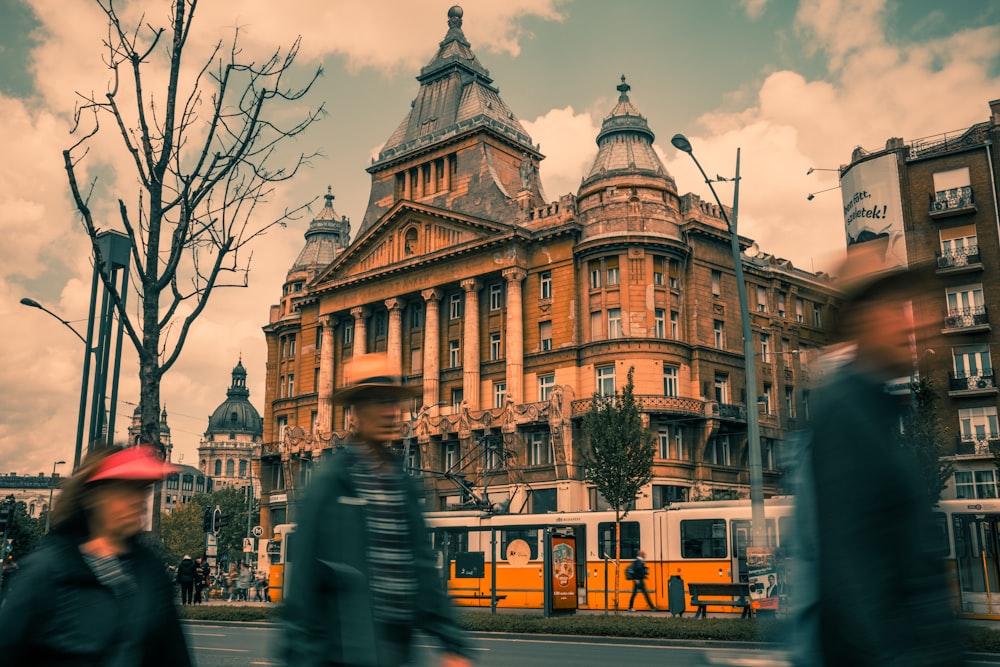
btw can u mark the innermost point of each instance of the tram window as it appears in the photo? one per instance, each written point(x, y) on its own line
point(703, 538)
point(606, 539)
point(455, 541)
point(529, 536)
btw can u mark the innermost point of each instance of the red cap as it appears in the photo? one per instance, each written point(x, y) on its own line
point(141, 463)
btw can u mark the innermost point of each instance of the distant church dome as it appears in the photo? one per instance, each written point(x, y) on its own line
point(236, 414)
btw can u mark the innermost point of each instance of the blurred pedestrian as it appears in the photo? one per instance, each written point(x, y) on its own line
point(201, 579)
point(870, 587)
point(637, 572)
point(365, 577)
point(243, 583)
point(231, 576)
point(187, 571)
point(93, 594)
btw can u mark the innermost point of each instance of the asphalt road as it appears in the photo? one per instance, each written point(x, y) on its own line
point(245, 645)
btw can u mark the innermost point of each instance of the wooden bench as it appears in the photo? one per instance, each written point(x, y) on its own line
point(720, 594)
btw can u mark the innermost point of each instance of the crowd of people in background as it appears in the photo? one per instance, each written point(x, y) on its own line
point(199, 582)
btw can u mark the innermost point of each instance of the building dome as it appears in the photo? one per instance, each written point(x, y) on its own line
point(236, 414)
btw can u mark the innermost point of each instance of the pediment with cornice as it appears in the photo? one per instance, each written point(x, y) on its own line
point(408, 235)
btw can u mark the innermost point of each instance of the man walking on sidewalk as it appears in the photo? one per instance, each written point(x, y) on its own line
point(638, 572)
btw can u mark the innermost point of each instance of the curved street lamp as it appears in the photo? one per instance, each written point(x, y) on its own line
point(812, 195)
point(758, 534)
point(31, 303)
point(52, 480)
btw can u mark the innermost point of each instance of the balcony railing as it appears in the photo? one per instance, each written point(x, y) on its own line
point(964, 318)
point(951, 201)
point(979, 445)
point(968, 382)
point(956, 259)
point(733, 412)
point(647, 403)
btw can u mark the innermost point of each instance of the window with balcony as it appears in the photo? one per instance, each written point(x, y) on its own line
point(545, 335)
point(499, 394)
point(959, 247)
point(606, 380)
point(965, 307)
point(670, 385)
point(721, 389)
point(539, 449)
point(545, 284)
point(454, 354)
point(716, 283)
point(496, 297)
point(614, 322)
point(659, 323)
point(978, 426)
point(973, 368)
point(952, 191)
point(545, 384)
point(496, 351)
point(455, 306)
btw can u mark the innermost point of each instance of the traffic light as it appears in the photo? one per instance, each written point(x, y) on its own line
point(206, 522)
point(217, 521)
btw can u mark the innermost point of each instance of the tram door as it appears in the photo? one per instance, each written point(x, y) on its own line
point(741, 538)
point(976, 551)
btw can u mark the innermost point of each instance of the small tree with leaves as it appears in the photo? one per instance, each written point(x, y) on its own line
point(204, 147)
point(619, 460)
point(924, 435)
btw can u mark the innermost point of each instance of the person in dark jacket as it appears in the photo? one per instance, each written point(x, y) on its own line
point(871, 589)
point(187, 572)
point(92, 595)
point(365, 576)
point(639, 572)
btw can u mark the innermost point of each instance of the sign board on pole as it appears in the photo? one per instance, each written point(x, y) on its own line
point(248, 545)
point(257, 531)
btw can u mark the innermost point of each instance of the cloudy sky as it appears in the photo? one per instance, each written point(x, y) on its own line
point(794, 85)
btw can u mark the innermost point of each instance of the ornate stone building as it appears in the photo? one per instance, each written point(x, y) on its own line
point(512, 311)
point(234, 434)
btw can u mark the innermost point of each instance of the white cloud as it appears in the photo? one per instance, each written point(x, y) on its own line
point(567, 140)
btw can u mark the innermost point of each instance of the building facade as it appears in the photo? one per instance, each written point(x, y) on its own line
point(938, 197)
point(234, 433)
point(511, 312)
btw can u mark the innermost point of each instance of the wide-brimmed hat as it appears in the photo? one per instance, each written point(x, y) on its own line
point(372, 375)
point(141, 463)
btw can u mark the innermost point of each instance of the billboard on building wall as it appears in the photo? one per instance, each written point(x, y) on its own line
point(873, 210)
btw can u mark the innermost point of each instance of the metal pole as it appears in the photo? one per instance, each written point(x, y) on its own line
point(88, 349)
point(758, 531)
point(48, 512)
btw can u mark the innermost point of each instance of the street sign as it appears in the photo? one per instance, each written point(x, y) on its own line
point(257, 531)
point(248, 545)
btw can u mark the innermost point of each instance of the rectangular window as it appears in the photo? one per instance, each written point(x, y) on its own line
point(973, 367)
point(545, 384)
point(765, 398)
point(765, 348)
point(455, 306)
point(496, 297)
point(782, 300)
point(959, 246)
point(595, 325)
point(675, 330)
point(595, 274)
point(381, 325)
point(282, 424)
point(718, 329)
point(663, 442)
point(818, 316)
point(952, 189)
point(679, 450)
point(450, 455)
point(790, 402)
point(545, 335)
point(658, 263)
point(281, 386)
point(629, 540)
point(496, 352)
point(545, 284)
point(614, 322)
point(529, 536)
point(348, 334)
point(499, 394)
point(416, 361)
point(670, 380)
point(291, 384)
point(986, 486)
point(786, 351)
point(674, 268)
point(319, 338)
point(722, 389)
point(965, 306)
point(316, 380)
point(539, 449)
point(417, 316)
point(454, 354)
point(761, 299)
point(964, 488)
point(544, 500)
point(798, 309)
point(703, 538)
point(606, 380)
point(716, 283)
point(457, 396)
point(612, 270)
point(291, 346)
point(978, 424)
point(659, 323)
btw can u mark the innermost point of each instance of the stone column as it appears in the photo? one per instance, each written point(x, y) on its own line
point(446, 174)
point(407, 185)
point(470, 343)
point(324, 411)
point(433, 187)
point(432, 348)
point(394, 345)
point(360, 336)
point(515, 333)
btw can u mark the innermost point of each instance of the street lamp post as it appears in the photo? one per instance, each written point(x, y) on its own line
point(52, 480)
point(758, 534)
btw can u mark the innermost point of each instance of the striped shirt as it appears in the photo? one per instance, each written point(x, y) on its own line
point(391, 560)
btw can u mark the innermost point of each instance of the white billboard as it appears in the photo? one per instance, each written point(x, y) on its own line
point(873, 211)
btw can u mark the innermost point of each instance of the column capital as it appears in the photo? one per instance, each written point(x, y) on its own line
point(432, 294)
point(471, 284)
point(360, 312)
point(328, 321)
point(395, 303)
point(514, 274)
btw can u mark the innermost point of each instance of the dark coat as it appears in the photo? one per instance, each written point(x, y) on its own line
point(878, 593)
point(328, 610)
point(58, 613)
point(187, 570)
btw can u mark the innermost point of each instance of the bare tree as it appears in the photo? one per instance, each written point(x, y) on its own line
point(203, 160)
point(619, 460)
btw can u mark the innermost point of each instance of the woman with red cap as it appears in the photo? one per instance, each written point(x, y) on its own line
point(93, 594)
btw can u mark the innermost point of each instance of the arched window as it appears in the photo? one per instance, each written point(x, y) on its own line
point(218, 467)
point(243, 468)
point(230, 467)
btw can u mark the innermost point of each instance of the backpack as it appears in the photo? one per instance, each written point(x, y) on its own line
point(630, 572)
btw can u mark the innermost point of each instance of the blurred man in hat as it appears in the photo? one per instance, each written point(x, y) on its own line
point(365, 576)
point(93, 594)
point(870, 590)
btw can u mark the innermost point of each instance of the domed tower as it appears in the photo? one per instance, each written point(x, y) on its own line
point(234, 429)
point(135, 429)
point(628, 189)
